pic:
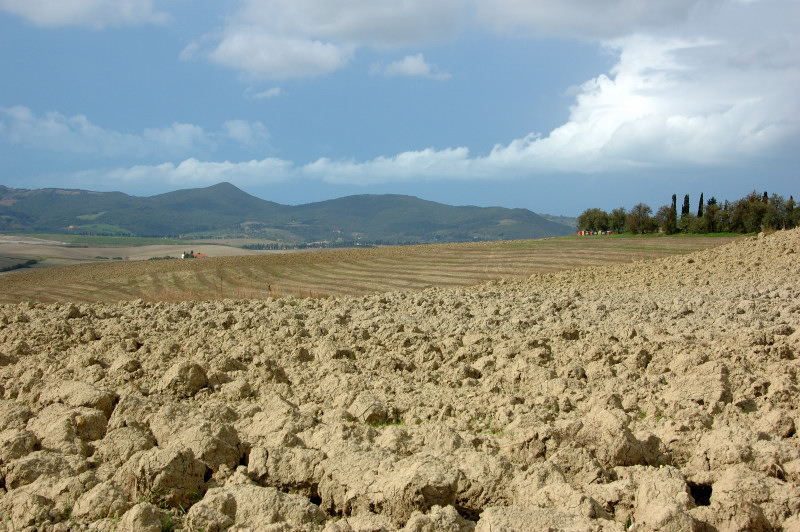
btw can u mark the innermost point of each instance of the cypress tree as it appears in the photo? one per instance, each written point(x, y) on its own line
point(683, 223)
point(700, 207)
point(711, 214)
point(671, 226)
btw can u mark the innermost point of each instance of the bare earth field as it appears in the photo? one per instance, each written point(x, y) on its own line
point(53, 253)
point(313, 273)
point(652, 395)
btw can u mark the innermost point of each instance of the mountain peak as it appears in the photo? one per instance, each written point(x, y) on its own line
point(225, 186)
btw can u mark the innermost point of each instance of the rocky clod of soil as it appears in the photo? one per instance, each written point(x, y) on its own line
point(657, 395)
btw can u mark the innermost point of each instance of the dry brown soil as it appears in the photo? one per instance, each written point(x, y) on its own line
point(53, 253)
point(654, 395)
point(320, 273)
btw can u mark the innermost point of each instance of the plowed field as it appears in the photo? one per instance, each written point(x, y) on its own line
point(331, 273)
point(655, 396)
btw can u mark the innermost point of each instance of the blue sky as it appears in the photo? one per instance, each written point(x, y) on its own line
point(550, 106)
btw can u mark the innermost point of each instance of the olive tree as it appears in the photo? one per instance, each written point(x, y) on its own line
point(640, 219)
point(663, 218)
point(593, 220)
point(617, 219)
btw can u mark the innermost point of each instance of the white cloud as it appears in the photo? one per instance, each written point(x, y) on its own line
point(420, 165)
point(369, 22)
point(268, 94)
point(409, 166)
point(590, 19)
point(696, 83)
point(190, 51)
point(288, 38)
point(56, 132)
point(706, 97)
point(277, 39)
point(411, 66)
point(668, 103)
point(261, 55)
point(246, 133)
point(178, 138)
point(705, 94)
point(192, 172)
point(89, 13)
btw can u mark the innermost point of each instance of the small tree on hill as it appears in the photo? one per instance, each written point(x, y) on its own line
point(640, 220)
point(775, 217)
point(748, 214)
point(593, 220)
point(662, 218)
point(617, 219)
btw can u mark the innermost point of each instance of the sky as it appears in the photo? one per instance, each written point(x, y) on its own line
point(551, 106)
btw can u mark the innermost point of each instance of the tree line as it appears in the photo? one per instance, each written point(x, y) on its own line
point(752, 213)
point(24, 264)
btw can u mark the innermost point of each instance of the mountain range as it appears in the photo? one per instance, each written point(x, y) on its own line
point(224, 210)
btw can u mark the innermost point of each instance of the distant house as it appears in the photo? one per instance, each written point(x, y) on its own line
point(193, 255)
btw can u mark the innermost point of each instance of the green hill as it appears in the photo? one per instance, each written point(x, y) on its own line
point(223, 210)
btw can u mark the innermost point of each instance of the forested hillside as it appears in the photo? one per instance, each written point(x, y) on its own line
point(223, 210)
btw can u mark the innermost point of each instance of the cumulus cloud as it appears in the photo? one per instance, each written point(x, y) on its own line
point(669, 102)
point(76, 134)
point(691, 98)
point(289, 38)
point(262, 55)
point(370, 22)
point(419, 165)
point(192, 172)
point(411, 66)
point(278, 39)
point(695, 83)
point(89, 13)
point(590, 19)
point(711, 100)
point(56, 132)
point(705, 94)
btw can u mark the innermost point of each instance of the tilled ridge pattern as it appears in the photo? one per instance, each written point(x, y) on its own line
point(657, 395)
point(334, 272)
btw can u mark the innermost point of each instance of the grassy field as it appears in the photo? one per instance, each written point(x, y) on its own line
point(331, 272)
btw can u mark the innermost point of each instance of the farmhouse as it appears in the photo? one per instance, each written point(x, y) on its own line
point(193, 255)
